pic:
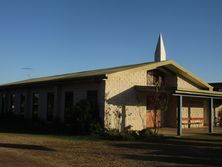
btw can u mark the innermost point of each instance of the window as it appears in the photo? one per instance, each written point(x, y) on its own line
point(50, 106)
point(3, 103)
point(35, 105)
point(155, 78)
point(12, 103)
point(22, 103)
point(92, 96)
point(69, 103)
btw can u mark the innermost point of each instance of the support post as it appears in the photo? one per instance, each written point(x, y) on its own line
point(211, 116)
point(179, 116)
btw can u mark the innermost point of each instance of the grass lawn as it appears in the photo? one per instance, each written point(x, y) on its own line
point(44, 150)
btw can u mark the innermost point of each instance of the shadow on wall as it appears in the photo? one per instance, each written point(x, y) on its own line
point(120, 103)
point(129, 97)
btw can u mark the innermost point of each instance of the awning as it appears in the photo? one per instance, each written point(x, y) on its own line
point(181, 92)
point(199, 93)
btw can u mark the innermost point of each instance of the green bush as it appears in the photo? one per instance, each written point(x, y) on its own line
point(146, 132)
point(128, 135)
point(84, 118)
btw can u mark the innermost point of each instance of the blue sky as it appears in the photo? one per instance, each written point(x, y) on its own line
point(54, 37)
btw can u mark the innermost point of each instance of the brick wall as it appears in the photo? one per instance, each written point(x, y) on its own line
point(185, 84)
point(123, 105)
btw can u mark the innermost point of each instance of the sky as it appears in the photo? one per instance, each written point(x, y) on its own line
point(50, 37)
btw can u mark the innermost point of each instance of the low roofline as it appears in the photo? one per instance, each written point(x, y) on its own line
point(56, 81)
point(149, 65)
point(82, 74)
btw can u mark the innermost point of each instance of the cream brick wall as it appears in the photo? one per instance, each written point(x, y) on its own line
point(185, 84)
point(123, 100)
point(217, 110)
point(124, 106)
point(197, 108)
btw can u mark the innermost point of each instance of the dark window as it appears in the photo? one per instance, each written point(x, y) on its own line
point(69, 103)
point(22, 103)
point(3, 103)
point(35, 105)
point(50, 106)
point(12, 103)
point(158, 78)
point(155, 78)
point(92, 97)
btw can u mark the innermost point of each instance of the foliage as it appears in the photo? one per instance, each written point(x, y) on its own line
point(146, 132)
point(84, 117)
point(127, 134)
point(158, 102)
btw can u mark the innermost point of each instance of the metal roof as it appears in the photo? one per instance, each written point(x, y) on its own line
point(149, 65)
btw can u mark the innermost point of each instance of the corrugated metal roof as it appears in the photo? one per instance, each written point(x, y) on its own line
point(78, 74)
point(149, 65)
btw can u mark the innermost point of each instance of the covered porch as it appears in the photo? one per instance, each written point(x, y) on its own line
point(188, 109)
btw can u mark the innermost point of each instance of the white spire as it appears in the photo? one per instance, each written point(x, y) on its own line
point(160, 53)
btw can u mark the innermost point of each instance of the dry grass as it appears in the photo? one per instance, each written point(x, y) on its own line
point(42, 150)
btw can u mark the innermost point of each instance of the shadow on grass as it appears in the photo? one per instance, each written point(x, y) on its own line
point(175, 151)
point(199, 140)
point(25, 146)
point(216, 134)
point(15, 124)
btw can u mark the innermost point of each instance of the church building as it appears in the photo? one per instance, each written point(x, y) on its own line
point(125, 96)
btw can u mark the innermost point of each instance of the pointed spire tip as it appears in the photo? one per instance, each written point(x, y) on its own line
point(160, 53)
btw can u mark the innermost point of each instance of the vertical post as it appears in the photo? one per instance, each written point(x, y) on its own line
point(210, 115)
point(179, 116)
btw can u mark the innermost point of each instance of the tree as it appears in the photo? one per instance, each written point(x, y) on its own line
point(157, 102)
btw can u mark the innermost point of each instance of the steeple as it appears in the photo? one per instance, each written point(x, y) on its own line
point(160, 53)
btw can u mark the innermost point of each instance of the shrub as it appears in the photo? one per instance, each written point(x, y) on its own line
point(84, 118)
point(128, 135)
point(146, 132)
